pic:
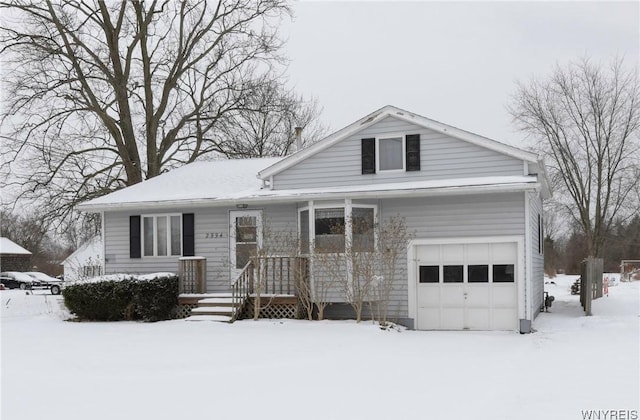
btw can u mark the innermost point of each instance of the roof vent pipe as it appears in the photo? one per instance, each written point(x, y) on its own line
point(298, 131)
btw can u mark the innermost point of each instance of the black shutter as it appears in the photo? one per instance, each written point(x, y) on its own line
point(413, 152)
point(188, 235)
point(134, 237)
point(369, 156)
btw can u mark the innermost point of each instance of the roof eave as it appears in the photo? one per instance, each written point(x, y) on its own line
point(264, 199)
point(467, 136)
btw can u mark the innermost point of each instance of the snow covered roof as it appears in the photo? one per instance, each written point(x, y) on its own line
point(197, 181)
point(179, 190)
point(91, 248)
point(7, 246)
point(409, 117)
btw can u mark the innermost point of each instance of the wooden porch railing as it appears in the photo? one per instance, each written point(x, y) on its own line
point(240, 289)
point(192, 274)
point(275, 275)
point(280, 274)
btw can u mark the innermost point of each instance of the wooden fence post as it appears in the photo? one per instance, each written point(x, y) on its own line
point(590, 282)
point(192, 274)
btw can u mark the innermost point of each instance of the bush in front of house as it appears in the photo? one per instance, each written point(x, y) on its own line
point(147, 298)
point(156, 299)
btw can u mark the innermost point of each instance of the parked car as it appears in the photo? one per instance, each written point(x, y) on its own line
point(15, 280)
point(52, 283)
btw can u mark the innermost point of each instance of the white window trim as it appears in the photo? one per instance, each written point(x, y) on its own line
point(404, 153)
point(347, 205)
point(155, 236)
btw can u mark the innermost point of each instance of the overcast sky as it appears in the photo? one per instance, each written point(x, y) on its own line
point(455, 62)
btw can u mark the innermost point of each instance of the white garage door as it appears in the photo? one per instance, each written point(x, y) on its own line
point(467, 286)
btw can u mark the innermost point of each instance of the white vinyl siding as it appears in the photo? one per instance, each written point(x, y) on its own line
point(211, 241)
point(441, 157)
point(537, 258)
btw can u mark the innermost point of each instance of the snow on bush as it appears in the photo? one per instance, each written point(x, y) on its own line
point(116, 297)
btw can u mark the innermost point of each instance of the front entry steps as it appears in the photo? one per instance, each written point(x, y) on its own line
point(219, 307)
point(217, 318)
point(210, 307)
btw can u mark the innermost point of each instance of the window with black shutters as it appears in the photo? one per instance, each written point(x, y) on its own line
point(393, 153)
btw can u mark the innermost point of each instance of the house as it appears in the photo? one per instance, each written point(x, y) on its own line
point(473, 205)
point(13, 257)
point(85, 262)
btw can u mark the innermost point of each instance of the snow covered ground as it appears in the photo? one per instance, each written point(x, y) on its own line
point(52, 369)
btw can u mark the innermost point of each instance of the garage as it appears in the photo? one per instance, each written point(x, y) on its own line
point(466, 286)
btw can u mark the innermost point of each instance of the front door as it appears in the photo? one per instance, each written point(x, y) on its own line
point(245, 237)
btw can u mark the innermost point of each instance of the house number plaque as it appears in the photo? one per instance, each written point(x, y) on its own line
point(213, 235)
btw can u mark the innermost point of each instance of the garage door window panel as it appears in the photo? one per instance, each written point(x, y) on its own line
point(503, 273)
point(429, 274)
point(452, 273)
point(478, 274)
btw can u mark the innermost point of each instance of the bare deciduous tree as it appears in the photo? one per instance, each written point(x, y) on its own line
point(314, 293)
point(101, 95)
point(586, 118)
point(28, 231)
point(392, 239)
point(363, 266)
point(267, 126)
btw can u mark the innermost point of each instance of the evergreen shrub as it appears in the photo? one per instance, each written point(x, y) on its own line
point(126, 299)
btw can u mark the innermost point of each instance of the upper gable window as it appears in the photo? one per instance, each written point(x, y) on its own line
point(391, 154)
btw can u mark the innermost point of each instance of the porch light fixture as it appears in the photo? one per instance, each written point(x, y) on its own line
point(242, 206)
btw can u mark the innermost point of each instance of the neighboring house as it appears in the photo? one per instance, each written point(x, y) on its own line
point(13, 257)
point(85, 262)
point(473, 205)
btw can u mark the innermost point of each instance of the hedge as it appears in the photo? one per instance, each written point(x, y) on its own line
point(126, 299)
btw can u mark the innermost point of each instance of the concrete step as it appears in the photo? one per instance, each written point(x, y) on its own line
point(216, 318)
